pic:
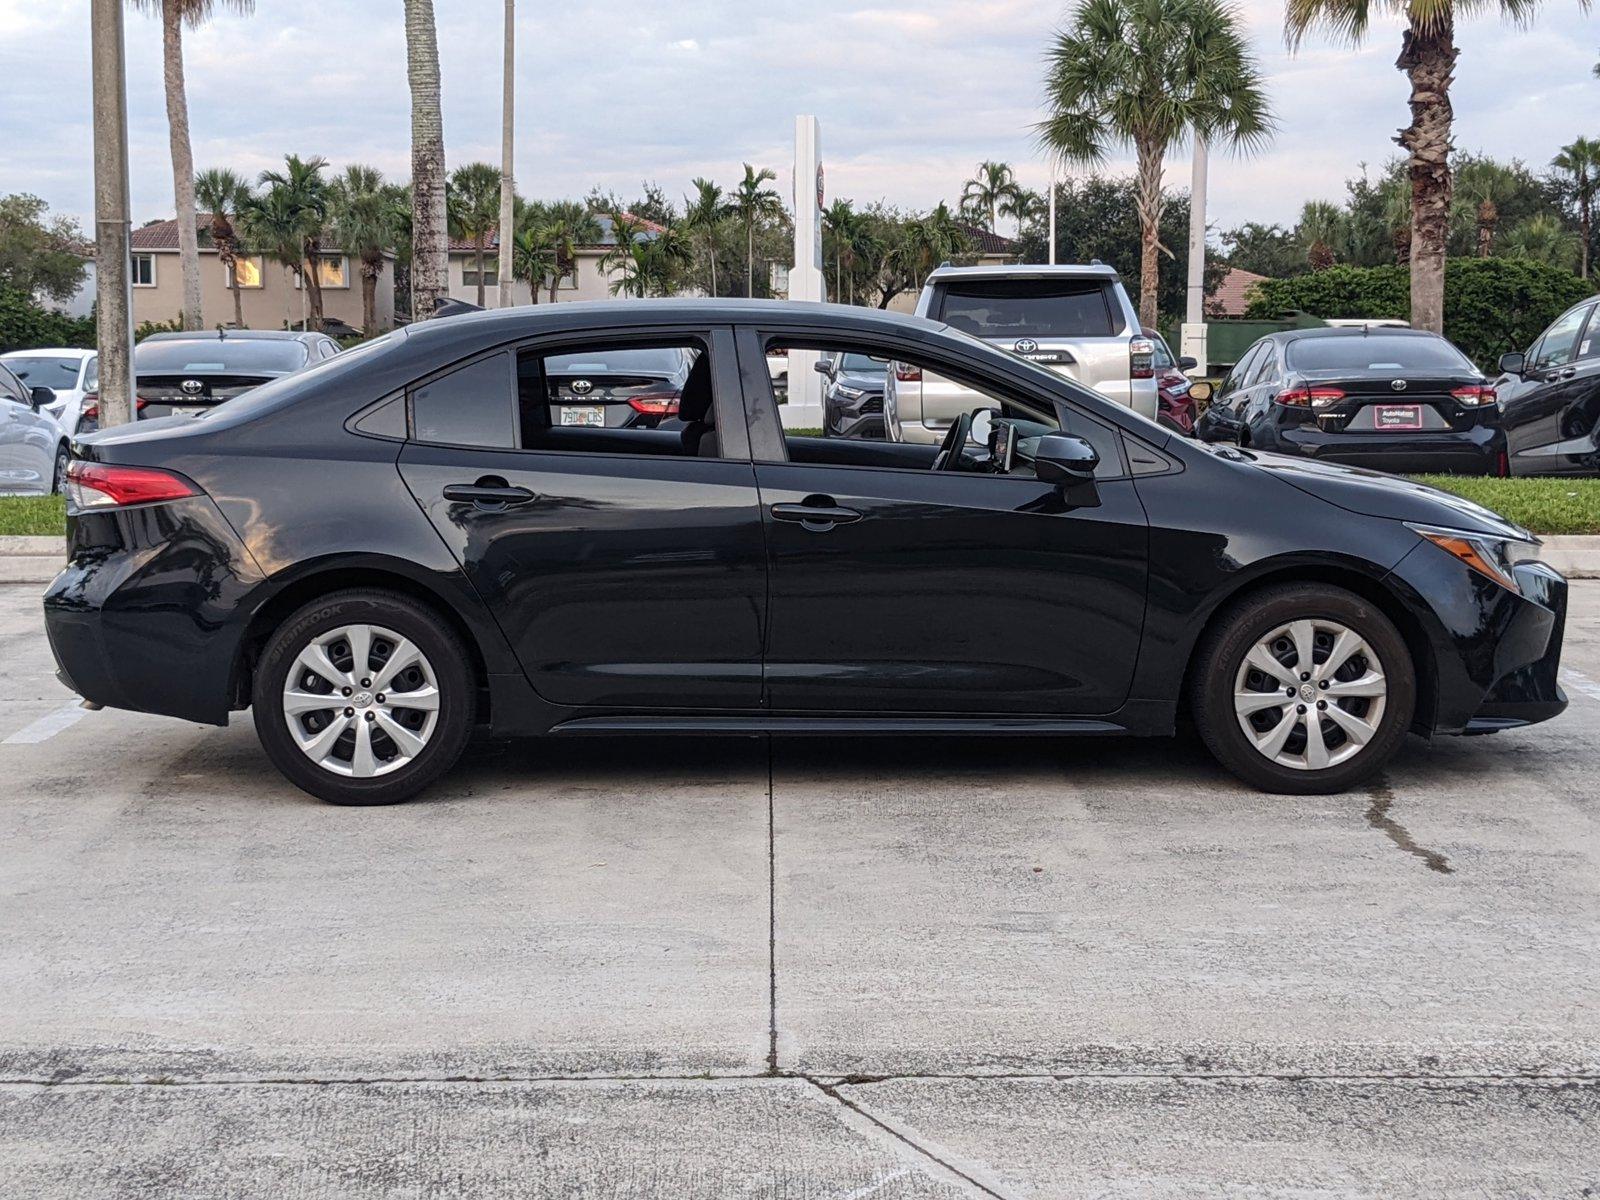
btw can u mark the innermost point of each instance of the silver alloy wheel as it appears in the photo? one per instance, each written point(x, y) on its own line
point(1310, 695)
point(361, 700)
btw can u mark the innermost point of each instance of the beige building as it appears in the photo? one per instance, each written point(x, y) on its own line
point(588, 281)
point(269, 292)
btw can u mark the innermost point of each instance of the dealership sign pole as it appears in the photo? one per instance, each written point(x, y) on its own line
point(113, 263)
point(806, 281)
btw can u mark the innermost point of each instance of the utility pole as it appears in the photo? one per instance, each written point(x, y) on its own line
point(508, 210)
point(1193, 340)
point(113, 260)
point(1052, 210)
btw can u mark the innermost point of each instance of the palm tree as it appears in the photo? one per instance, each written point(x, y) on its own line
point(302, 182)
point(1581, 162)
point(1320, 229)
point(175, 14)
point(1428, 57)
point(1542, 238)
point(533, 256)
point(1148, 73)
point(569, 225)
point(363, 213)
point(1483, 185)
point(430, 239)
point(755, 202)
point(703, 213)
point(919, 245)
point(473, 205)
point(994, 185)
point(225, 194)
point(275, 223)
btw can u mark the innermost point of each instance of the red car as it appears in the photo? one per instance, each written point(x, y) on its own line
point(1174, 406)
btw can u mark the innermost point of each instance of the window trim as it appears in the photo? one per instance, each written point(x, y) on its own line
point(149, 257)
point(759, 393)
point(260, 263)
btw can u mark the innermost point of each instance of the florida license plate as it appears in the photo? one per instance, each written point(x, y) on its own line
point(583, 414)
point(1397, 416)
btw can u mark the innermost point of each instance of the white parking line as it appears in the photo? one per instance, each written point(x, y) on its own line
point(1579, 682)
point(47, 726)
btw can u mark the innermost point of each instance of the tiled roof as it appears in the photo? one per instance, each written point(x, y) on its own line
point(607, 236)
point(1233, 293)
point(159, 235)
point(985, 241)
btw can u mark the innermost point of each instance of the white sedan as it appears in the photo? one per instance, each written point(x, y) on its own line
point(69, 373)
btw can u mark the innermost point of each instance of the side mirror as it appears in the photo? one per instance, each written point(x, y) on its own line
point(1201, 391)
point(1187, 363)
point(38, 397)
point(1064, 459)
point(823, 367)
point(1513, 363)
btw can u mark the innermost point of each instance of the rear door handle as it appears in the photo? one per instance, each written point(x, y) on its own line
point(487, 492)
point(817, 516)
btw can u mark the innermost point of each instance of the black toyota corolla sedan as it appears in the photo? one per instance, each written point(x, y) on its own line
point(1390, 399)
point(382, 553)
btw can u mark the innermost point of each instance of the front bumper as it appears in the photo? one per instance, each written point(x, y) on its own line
point(861, 419)
point(1495, 654)
point(1474, 451)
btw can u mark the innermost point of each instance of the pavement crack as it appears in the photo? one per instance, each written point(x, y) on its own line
point(932, 1160)
point(1378, 817)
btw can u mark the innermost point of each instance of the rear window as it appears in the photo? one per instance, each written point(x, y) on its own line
point(664, 361)
point(1033, 308)
point(218, 354)
point(1376, 353)
point(37, 370)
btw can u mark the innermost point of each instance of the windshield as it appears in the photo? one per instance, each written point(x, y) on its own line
point(663, 360)
point(218, 354)
point(40, 370)
point(863, 364)
point(1376, 352)
point(1031, 308)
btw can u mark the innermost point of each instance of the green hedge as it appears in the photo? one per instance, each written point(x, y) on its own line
point(24, 325)
point(1491, 305)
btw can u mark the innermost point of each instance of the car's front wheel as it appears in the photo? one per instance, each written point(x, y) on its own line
point(363, 697)
point(58, 471)
point(1303, 689)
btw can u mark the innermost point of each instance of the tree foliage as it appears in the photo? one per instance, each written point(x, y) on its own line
point(25, 324)
point(40, 255)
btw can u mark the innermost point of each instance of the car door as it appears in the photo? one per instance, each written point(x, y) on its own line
point(27, 439)
point(626, 567)
point(1221, 421)
point(899, 589)
point(1550, 412)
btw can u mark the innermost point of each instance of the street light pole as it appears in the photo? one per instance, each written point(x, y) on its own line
point(1193, 340)
point(1052, 211)
point(508, 211)
point(113, 259)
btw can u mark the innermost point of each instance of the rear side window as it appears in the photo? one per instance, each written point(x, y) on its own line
point(474, 405)
point(1376, 352)
point(1031, 308)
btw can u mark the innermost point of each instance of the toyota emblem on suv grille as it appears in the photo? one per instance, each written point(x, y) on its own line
point(1025, 346)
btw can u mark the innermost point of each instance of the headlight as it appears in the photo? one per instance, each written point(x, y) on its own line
point(848, 393)
point(1486, 553)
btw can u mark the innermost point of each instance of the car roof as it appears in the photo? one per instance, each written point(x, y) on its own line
point(1093, 270)
point(233, 335)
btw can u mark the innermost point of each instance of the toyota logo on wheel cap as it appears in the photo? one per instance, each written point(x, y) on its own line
point(1026, 346)
point(192, 386)
point(1398, 385)
point(582, 386)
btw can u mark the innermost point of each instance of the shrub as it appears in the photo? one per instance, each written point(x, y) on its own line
point(25, 324)
point(1491, 305)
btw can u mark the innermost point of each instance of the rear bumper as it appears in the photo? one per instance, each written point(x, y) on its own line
point(1470, 451)
point(145, 614)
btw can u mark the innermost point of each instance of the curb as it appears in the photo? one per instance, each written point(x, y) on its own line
point(37, 559)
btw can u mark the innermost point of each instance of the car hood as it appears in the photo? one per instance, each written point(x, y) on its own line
point(1374, 494)
point(862, 380)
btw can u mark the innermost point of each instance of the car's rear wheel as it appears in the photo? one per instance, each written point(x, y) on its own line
point(58, 473)
point(1303, 689)
point(363, 697)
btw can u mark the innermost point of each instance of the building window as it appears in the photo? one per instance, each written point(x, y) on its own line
point(491, 275)
point(144, 270)
point(330, 272)
point(248, 270)
point(568, 282)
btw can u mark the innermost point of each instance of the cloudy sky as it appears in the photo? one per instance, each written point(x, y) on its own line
point(612, 92)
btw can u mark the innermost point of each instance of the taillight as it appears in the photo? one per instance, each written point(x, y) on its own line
point(1476, 394)
point(91, 406)
point(102, 485)
point(654, 404)
point(1310, 397)
point(906, 373)
point(1142, 358)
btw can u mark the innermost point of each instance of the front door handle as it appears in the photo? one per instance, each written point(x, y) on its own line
point(815, 517)
point(489, 492)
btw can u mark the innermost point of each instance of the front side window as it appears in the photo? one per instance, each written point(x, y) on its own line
point(1556, 347)
point(143, 268)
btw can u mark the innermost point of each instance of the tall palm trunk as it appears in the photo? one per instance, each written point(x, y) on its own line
point(429, 240)
point(1428, 57)
point(750, 258)
point(711, 255)
point(1149, 204)
point(230, 261)
point(313, 280)
point(1488, 220)
point(182, 161)
point(477, 254)
point(1585, 202)
point(371, 268)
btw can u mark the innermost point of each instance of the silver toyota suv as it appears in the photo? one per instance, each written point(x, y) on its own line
point(1075, 319)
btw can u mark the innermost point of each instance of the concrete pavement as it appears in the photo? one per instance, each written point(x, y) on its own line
point(936, 968)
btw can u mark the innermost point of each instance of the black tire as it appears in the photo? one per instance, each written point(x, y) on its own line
point(58, 473)
point(1230, 638)
point(406, 617)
